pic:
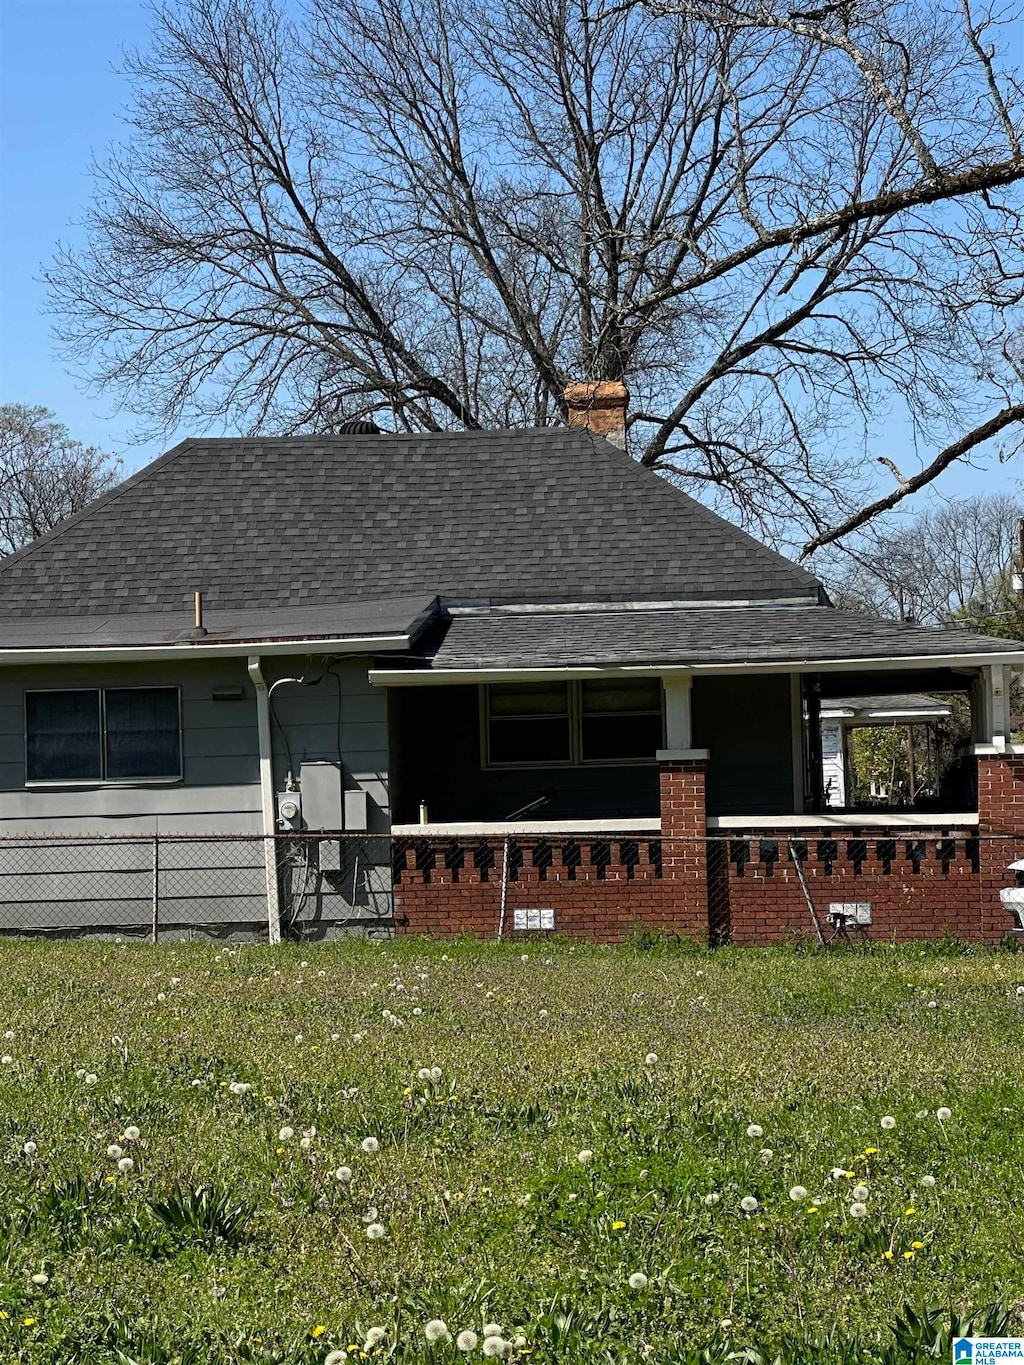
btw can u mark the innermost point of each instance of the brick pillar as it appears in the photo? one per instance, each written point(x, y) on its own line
point(683, 839)
point(1001, 830)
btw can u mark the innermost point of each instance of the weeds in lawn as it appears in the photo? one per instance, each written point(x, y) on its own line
point(559, 1154)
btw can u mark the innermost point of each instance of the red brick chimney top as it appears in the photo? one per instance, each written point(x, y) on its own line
point(600, 405)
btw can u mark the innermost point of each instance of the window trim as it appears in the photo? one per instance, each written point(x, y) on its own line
point(576, 759)
point(103, 781)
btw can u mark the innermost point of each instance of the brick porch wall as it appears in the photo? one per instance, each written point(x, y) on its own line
point(739, 887)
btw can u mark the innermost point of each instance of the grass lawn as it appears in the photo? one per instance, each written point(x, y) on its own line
point(220, 1155)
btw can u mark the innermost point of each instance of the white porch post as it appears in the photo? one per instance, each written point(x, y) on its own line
point(993, 719)
point(678, 723)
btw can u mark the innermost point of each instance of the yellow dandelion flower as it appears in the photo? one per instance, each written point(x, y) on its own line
point(850, 1174)
point(3, 1315)
point(618, 1225)
point(407, 1090)
point(910, 1210)
point(318, 1330)
point(887, 1255)
point(28, 1322)
point(870, 1151)
point(280, 1151)
point(909, 1255)
point(813, 1209)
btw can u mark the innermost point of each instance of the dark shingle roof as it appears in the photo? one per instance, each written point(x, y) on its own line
point(550, 515)
point(694, 636)
point(400, 617)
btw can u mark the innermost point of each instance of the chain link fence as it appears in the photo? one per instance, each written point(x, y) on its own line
point(739, 888)
point(193, 886)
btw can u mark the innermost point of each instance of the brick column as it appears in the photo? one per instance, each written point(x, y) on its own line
point(1001, 830)
point(683, 840)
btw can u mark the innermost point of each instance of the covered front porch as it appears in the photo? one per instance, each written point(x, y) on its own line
point(689, 799)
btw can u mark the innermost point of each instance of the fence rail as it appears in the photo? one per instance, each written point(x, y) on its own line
point(736, 886)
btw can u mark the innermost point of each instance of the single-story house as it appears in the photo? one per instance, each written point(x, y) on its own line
point(450, 681)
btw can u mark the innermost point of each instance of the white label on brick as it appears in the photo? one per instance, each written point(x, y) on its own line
point(533, 919)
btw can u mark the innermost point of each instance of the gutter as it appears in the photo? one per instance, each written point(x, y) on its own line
point(190, 649)
point(420, 677)
point(267, 797)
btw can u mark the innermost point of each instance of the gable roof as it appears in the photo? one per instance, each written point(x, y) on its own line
point(537, 516)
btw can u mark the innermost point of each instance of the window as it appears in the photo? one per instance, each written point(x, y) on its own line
point(556, 724)
point(530, 724)
point(113, 734)
point(620, 721)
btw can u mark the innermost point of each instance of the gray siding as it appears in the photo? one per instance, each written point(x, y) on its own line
point(92, 879)
point(747, 724)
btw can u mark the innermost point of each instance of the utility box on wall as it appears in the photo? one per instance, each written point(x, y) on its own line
point(325, 802)
point(321, 785)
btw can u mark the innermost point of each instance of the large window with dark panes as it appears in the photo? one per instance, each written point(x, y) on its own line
point(560, 724)
point(107, 734)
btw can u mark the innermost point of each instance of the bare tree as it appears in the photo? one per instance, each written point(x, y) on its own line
point(45, 476)
point(952, 563)
point(773, 225)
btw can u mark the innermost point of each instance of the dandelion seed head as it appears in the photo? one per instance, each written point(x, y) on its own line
point(125, 1165)
point(943, 1115)
point(343, 1174)
point(335, 1358)
point(91, 1078)
point(375, 1232)
point(888, 1123)
point(492, 1329)
point(712, 1198)
point(466, 1341)
point(374, 1336)
point(651, 1059)
point(131, 1133)
point(860, 1193)
point(30, 1148)
point(285, 1134)
point(749, 1204)
point(585, 1157)
point(436, 1330)
point(797, 1193)
point(638, 1280)
point(370, 1145)
point(41, 1280)
point(928, 1181)
point(858, 1210)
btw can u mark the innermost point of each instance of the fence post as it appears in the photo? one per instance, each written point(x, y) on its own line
point(156, 887)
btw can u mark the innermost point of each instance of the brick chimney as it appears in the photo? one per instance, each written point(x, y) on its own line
point(600, 405)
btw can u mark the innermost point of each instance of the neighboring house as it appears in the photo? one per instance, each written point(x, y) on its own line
point(841, 715)
point(418, 636)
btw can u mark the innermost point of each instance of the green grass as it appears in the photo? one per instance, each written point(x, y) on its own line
point(225, 1242)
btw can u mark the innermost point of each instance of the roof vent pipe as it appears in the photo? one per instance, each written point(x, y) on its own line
point(199, 630)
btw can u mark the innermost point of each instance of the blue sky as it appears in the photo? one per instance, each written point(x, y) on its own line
point(60, 104)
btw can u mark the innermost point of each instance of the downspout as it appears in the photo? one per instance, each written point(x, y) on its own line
point(267, 797)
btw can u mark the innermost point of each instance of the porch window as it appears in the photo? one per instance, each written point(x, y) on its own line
point(620, 721)
point(112, 734)
point(540, 725)
point(531, 724)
